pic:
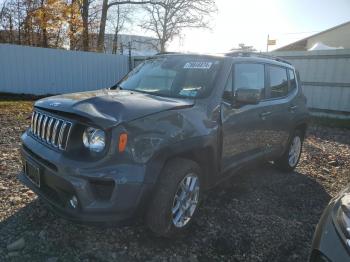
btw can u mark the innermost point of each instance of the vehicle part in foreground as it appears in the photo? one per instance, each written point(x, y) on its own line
point(332, 237)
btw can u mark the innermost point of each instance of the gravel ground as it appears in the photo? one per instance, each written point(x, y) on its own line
point(261, 214)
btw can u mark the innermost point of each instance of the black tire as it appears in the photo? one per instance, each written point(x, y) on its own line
point(283, 162)
point(159, 214)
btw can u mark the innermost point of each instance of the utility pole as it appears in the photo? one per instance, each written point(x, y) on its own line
point(129, 47)
point(130, 62)
point(267, 43)
point(121, 49)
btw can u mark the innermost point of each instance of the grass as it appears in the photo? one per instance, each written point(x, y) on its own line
point(16, 105)
point(18, 109)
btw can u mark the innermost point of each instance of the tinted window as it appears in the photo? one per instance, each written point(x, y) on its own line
point(249, 76)
point(173, 76)
point(292, 80)
point(278, 82)
point(228, 91)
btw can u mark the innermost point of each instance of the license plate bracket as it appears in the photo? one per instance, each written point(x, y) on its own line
point(32, 172)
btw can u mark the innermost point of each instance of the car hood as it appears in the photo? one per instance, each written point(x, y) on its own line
point(107, 108)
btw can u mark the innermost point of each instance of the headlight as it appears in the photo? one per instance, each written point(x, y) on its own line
point(94, 139)
point(343, 215)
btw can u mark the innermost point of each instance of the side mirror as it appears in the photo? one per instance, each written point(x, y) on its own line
point(248, 96)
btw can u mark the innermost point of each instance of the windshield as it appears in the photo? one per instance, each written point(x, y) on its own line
point(173, 76)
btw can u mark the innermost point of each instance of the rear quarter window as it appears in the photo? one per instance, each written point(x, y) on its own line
point(278, 81)
point(292, 80)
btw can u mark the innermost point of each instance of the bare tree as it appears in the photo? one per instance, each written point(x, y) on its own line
point(106, 4)
point(12, 17)
point(168, 19)
point(2, 11)
point(120, 17)
point(5, 23)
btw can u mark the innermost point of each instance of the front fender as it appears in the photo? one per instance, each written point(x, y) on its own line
point(202, 150)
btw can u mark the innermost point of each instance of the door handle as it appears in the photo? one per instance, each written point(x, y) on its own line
point(264, 115)
point(292, 108)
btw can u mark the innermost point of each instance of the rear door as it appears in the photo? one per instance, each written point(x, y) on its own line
point(242, 126)
point(279, 94)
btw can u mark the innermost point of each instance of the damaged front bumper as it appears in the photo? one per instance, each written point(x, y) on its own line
point(110, 194)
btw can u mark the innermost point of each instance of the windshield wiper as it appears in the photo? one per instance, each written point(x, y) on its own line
point(116, 87)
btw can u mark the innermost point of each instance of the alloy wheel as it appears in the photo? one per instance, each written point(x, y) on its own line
point(294, 151)
point(185, 200)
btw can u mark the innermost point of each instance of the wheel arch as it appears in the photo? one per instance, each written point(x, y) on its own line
point(202, 150)
point(204, 157)
point(302, 127)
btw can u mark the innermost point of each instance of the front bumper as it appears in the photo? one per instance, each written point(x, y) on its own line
point(328, 245)
point(111, 194)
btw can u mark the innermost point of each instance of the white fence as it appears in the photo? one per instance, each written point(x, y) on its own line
point(325, 77)
point(40, 71)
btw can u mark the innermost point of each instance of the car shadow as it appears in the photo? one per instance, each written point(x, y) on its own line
point(260, 214)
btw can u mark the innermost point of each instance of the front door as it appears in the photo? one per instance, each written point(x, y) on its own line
point(243, 126)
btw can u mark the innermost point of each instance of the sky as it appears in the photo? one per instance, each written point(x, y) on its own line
point(250, 21)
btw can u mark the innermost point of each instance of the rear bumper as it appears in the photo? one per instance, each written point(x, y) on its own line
point(110, 195)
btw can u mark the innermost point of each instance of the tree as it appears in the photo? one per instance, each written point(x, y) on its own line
point(85, 17)
point(105, 7)
point(119, 17)
point(12, 17)
point(51, 17)
point(168, 19)
point(79, 24)
point(75, 23)
point(49, 23)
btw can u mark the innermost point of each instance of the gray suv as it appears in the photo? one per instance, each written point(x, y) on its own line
point(173, 127)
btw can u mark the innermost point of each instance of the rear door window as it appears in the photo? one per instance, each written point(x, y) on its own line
point(278, 81)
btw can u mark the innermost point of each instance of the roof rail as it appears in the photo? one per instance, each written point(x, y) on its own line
point(254, 54)
point(167, 53)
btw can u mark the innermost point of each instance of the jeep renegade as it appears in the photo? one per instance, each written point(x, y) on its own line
point(150, 145)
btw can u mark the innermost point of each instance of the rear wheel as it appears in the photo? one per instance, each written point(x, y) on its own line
point(290, 159)
point(176, 198)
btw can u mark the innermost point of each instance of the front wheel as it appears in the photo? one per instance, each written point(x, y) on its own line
point(176, 199)
point(290, 159)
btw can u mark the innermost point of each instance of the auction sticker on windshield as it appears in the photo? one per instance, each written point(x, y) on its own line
point(198, 65)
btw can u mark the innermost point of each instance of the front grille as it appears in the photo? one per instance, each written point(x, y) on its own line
point(51, 130)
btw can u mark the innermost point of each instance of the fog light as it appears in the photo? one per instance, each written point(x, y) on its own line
point(348, 242)
point(74, 202)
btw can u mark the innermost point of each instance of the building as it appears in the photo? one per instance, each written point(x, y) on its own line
point(333, 38)
point(140, 45)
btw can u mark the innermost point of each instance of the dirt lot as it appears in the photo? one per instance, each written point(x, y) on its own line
point(260, 215)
